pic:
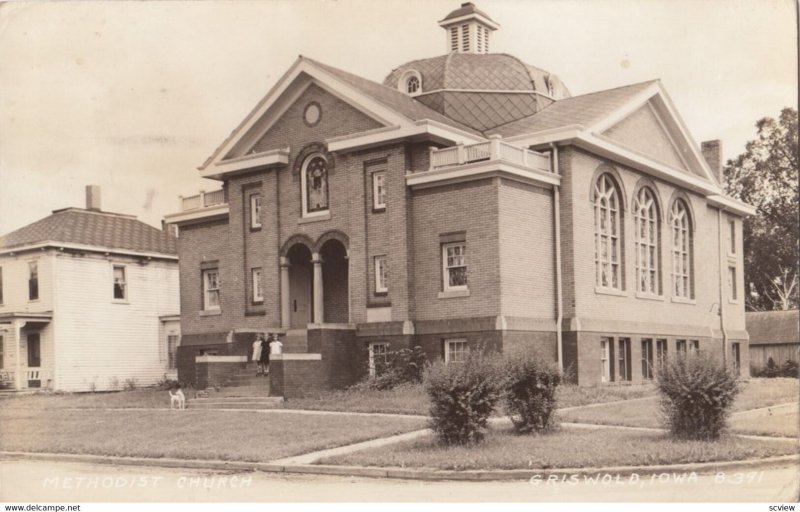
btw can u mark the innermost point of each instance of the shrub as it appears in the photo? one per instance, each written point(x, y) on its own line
point(789, 369)
point(131, 384)
point(696, 395)
point(530, 391)
point(463, 396)
point(402, 366)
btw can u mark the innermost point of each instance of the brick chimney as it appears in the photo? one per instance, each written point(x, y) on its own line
point(712, 152)
point(93, 198)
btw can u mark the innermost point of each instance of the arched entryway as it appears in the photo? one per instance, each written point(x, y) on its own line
point(301, 286)
point(335, 282)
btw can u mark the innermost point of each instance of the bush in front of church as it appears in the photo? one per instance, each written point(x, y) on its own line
point(463, 396)
point(697, 392)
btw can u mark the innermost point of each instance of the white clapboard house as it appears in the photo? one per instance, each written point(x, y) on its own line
point(88, 302)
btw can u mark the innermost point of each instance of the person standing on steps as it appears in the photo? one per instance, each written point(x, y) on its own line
point(257, 353)
point(263, 361)
point(275, 346)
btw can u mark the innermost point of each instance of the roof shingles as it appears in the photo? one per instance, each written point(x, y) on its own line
point(99, 229)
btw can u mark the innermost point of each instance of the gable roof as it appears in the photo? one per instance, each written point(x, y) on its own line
point(584, 110)
point(387, 105)
point(394, 99)
point(91, 228)
point(773, 326)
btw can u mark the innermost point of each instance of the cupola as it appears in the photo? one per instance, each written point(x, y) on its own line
point(468, 29)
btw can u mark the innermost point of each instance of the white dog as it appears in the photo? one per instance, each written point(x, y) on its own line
point(177, 399)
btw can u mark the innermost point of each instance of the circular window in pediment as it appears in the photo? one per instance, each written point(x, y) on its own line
point(312, 114)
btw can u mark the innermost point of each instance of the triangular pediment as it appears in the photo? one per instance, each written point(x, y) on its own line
point(644, 132)
point(344, 110)
point(650, 126)
point(330, 116)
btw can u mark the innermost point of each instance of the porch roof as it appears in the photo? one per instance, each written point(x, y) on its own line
point(9, 317)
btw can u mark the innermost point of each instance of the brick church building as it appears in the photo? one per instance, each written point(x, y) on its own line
point(468, 200)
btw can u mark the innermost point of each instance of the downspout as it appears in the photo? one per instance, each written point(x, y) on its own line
point(721, 262)
point(557, 229)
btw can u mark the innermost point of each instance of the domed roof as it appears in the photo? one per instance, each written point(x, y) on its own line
point(480, 72)
point(480, 90)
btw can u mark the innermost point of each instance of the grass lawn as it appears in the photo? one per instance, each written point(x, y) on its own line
point(756, 393)
point(786, 424)
point(226, 435)
point(146, 397)
point(408, 399)
point(565, 448)
point(413, 400)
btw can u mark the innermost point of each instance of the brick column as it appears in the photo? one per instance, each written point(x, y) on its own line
point(318, 291)
point(285, 303)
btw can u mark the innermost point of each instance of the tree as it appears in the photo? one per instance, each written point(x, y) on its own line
point(766, 176)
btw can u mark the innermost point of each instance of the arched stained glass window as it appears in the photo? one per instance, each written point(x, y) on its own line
point(682, 249)
point(315, 185)
point(607, 233)
point(648, 228)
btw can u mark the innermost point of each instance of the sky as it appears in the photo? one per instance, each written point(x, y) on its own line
point(134, 96)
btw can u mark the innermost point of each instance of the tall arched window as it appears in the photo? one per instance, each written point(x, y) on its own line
point(648, 228)
point(607, 233)
point(682, 250)
point(315, 185)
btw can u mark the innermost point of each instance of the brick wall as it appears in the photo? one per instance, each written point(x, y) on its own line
point(579, 232)
point(527, 258)
point(471, 208)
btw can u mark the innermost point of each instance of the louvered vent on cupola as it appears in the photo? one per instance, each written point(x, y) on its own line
point(468, 29)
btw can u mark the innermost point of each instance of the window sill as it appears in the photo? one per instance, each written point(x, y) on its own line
point(646, 296)
point(683, 300)
point(610, 291)
point(314, 218)
point(378, 209)
point(255, 312)
point(210, 312)
point(255, 228)
point(450, 294)
point(383, 293)
point(120, 301)
point(732, 301)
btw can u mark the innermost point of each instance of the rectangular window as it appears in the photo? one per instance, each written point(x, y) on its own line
point(647, 358)
point(605, 359)
point(732, 235)
point(456, 350)
point(732, 283)
point(172, 351)
point(1, 285)
point(211, 289)
point(381, 275)
point(378, 357)
point(379, 190)
point(735, 352)
point(454, 266)
point(34, 351)
point(624, 359)
point(680, 347)
point(258, 293)
point(255, 211)
point(120, 283)
point(33, 280)
point(661, 351)
point(694, 347)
